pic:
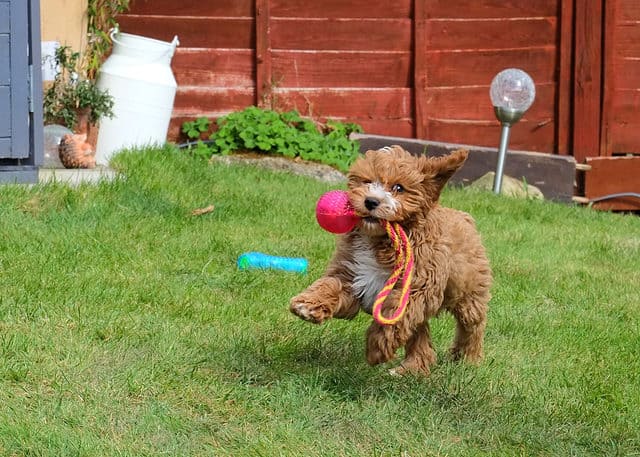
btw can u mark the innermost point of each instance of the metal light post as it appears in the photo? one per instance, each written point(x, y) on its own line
point(512, 93)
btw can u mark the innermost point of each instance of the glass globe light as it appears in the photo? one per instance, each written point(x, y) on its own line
point(512, 93)
point(512, 89)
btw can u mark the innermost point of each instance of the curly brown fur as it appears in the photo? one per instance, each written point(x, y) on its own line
point(451, 269)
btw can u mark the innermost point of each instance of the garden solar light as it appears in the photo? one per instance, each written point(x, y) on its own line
point(512, 93)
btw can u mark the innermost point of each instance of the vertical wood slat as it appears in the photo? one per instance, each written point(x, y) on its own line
point(565, 59)
point(608, 82)
point(587, 79)
point(263, 54)
point(36, 132)
point(19, 88)
point(420, 76)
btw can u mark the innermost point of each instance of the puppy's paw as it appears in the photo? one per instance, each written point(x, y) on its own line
point(319, 301)
point(309, 310)
point(409, 369)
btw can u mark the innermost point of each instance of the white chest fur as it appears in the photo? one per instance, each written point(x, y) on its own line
point(368, 275)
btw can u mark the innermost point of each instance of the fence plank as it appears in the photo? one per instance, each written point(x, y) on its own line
point(473, 68)
point(587, 79)
point(387, 103)
point(565, 55)
point(219, 8)
point(474, 34)
point(492, 8)
point(341, 34)
point(420, 68)
point(194, 32)
point(341, 69)
point(264, 78)
point(341, 9)
point(525, 135)
point(473, 103)
point(598, 181)
point(192, 101)
point(214, 67)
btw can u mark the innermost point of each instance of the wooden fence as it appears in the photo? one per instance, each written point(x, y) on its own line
point(414, 68)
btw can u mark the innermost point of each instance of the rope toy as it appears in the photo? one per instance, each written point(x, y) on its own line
point(403, 267)
point(336, 215)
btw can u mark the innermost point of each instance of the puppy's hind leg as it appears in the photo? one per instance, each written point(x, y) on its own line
point(419, 353)
point(384, 340)
point(471, 320)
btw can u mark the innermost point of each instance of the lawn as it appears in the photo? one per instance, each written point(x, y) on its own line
point(127, 330)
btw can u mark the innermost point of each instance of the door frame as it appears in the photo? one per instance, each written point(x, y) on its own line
point(26, 99)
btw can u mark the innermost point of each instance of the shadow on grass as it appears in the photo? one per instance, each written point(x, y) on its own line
point(330, 360)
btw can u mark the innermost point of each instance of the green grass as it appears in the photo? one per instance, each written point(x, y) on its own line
point(126, 329)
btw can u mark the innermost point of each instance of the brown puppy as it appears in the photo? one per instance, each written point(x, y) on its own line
point(451, 268)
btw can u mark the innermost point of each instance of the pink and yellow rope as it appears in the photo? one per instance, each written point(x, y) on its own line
point(403, 268)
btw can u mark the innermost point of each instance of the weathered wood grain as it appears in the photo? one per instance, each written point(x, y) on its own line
point(194, 100)
point(612, 175)
point(492, 8)
point(565, 78)
point(525, 135)
point(587, 79)
point(474, 103)
point(623, 122)
point(194, 32)
point(341, 69)
point(609, 56)
point(264, 75)
point(341, 34)
point(196, 8)
point(627, 38)
point(342, 9)
point(620, 122)
point(464, 34)
point(421, 68)
point(401, 127)
point(629, 10)
point(214, 67)
point(388, 103)
point(478, 67)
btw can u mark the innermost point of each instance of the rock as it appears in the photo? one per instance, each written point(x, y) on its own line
point(510, 186)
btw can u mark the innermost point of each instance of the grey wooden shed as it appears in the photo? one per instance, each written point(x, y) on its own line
point(21, 131)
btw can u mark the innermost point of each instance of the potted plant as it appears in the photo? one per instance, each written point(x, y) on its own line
point(73, 100)
point(77, 103)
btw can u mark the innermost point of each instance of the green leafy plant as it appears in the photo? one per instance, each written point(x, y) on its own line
point(287, 134)
point(194, 129)
point(101, 18)
point(71, 94)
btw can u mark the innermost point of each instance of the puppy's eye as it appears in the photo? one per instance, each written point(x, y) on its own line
point(397, 188)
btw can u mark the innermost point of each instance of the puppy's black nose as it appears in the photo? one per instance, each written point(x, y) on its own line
point(371, 203)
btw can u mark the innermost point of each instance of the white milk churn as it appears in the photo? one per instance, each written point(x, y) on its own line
point(138, 76)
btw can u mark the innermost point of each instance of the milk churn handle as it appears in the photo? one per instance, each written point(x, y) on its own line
point(114, 31)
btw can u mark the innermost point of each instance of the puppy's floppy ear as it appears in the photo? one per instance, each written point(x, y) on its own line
point(446, 166)
point(439, 170)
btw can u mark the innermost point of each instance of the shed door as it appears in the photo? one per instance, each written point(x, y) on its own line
point(14, 79)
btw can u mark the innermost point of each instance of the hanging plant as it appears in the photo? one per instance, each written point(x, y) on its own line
point(101, 18)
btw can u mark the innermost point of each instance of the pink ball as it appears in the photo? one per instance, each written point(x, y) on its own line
point(335, 213)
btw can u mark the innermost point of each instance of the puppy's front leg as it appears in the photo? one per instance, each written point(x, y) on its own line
point(326, 298)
